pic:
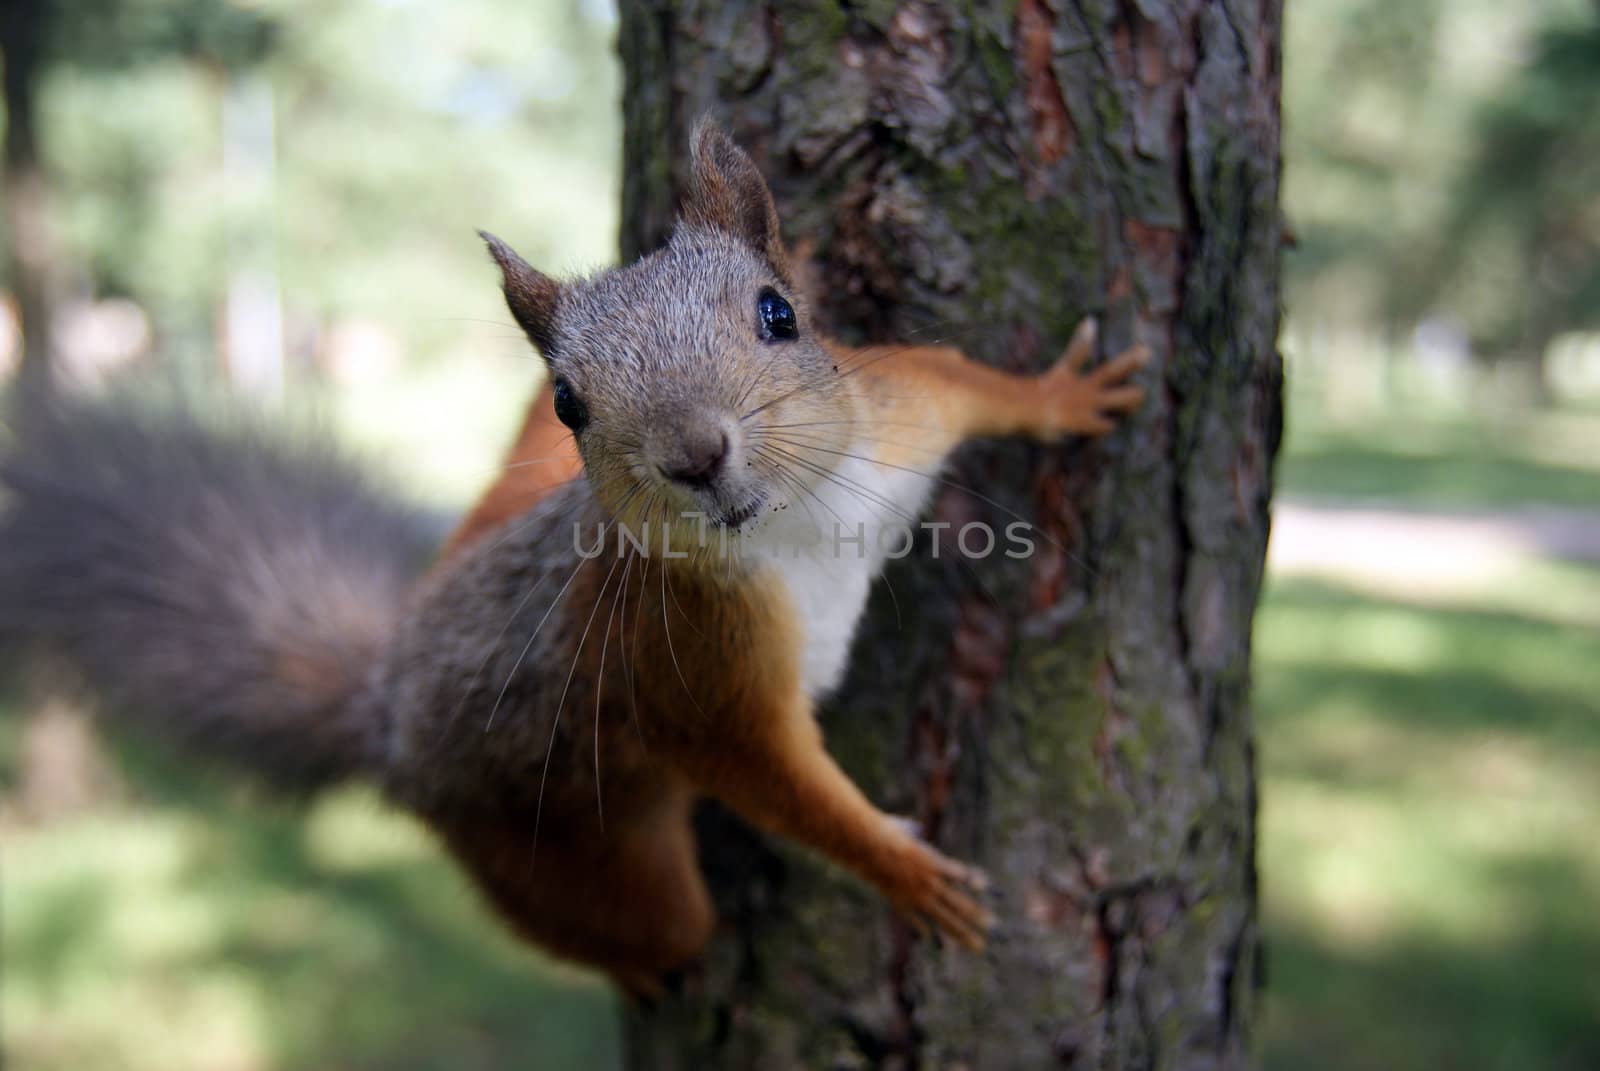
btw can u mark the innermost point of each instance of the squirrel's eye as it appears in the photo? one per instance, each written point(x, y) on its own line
point(570, 409)
point(777, 316)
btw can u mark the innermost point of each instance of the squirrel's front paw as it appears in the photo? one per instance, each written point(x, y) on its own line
point(1083, 403)
point(928, 887)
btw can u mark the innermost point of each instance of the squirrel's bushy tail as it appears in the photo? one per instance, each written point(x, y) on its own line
point(213, 587)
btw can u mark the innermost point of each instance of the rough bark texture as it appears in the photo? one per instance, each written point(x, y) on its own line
point(1077, 723)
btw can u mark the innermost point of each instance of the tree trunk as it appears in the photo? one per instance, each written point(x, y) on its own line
point(30, 266)
point(1077, 723)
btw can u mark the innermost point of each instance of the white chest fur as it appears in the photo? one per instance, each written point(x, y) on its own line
point(827, 550)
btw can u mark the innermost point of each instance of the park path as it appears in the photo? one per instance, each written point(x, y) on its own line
point(1409, 549)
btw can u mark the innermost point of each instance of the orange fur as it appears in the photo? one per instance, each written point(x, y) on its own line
point(922, 401)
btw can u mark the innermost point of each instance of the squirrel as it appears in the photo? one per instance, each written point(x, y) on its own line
point(612, 633)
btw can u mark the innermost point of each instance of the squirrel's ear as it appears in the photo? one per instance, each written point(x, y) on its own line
point(530, 294)
point(726, 191)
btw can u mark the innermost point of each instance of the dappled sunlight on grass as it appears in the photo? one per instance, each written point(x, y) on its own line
point(1428, 850)
point(1549, 590)
point(1426, 1004)
point(1455, 668)
point(265, 940)
point(1459, 470)
point(354, 832)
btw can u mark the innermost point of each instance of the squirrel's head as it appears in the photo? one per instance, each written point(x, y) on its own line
point(668, 370)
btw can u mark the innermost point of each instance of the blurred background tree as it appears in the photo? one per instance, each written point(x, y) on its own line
point(1519, 256)
point(29, 261)
point(341, 153)
point(284, 192)
point(1444, 172)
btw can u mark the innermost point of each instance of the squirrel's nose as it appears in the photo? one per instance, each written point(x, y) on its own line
point(699, 459)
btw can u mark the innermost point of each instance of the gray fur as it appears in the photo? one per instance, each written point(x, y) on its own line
point(215, 587)
point(669, 345)
point(473, 678)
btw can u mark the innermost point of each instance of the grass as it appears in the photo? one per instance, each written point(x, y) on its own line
point(197, 926)
point(1428, 857)
point(1428, 850)
point(1444, 457)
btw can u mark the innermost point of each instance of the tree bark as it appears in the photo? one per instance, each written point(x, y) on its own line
point(1077, 723)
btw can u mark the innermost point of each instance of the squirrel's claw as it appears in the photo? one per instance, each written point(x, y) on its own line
point(1121, 366)
point(932, 888)
point(960, 917)
point(1081, 348)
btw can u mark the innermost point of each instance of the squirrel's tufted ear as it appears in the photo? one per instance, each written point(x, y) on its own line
point(726, 191)
point(531, 295)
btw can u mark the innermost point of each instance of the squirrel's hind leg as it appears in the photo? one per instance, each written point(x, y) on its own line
point(629, 900)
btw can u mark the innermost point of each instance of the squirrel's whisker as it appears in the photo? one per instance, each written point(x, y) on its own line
point(600, 680)
point(772, 469)
point(553, 459)
point(777, 457)
point(522, 656)
point(940, 535)
point(495, 646)
point(854, 361)
point(674, 596)
point(489, 653)
point(555, 722)
point(667, 631)
point(638, 615)
point(859, 490)
point(622, 651)
point(1071, 555)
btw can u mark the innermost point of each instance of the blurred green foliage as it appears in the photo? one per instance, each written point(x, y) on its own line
point(397, 128)
point(1442, 163)
point(1528, 199)
point(1441, 159)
